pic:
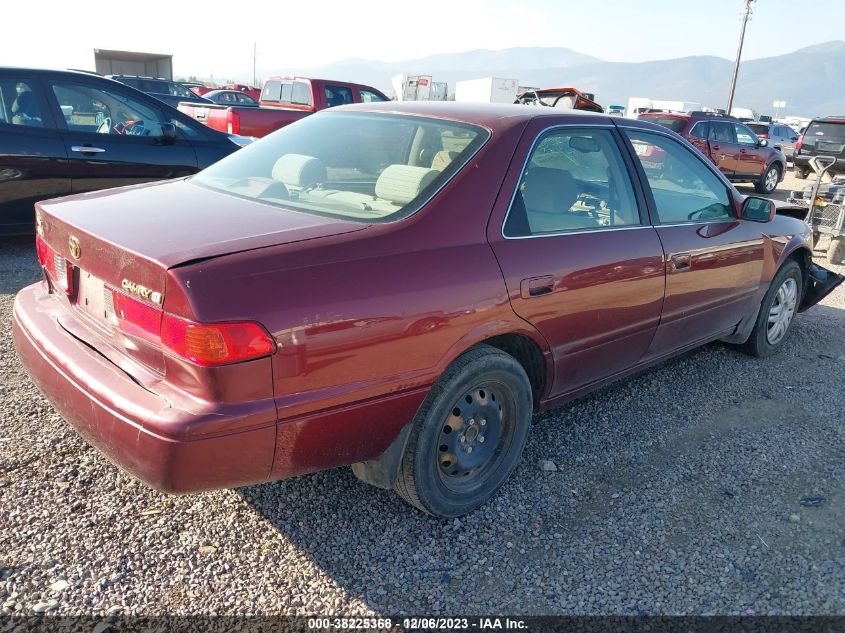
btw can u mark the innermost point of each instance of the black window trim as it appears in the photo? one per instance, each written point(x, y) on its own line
point(646, 187)
point(630, 167)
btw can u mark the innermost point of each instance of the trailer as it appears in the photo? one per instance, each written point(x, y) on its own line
point(487, 90)
point(418, 88)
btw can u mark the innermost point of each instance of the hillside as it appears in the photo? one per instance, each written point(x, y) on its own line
point(811, 80)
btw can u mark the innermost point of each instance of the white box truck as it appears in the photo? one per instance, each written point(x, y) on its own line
point(487, 90)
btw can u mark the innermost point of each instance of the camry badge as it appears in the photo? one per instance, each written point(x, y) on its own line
point(74, 247)
point(142, 291)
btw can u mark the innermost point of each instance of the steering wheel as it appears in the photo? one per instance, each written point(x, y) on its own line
point(105, 126)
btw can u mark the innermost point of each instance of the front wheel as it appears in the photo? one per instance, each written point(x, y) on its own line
point(769, 181)
point(776, 312)
point(469, 434)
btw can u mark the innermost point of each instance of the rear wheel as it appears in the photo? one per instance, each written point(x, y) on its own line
point(769, 182)
point(469, 434)
point(836, 250)
point(776, 312)
point(800, 173)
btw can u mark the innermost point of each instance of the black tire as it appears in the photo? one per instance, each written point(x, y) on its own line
point(800, 173)
point(428, 479)
point(769, 181)
point(759, 343)
point(836, 250)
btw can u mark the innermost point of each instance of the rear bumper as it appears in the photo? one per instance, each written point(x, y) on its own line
point(136, 429)
point(803, 160)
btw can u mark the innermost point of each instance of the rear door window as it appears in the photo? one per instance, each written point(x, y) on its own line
point(700, 130)
point(721, 131)
point(21, 103)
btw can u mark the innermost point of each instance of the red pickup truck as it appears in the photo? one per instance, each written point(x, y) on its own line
point(283, 100)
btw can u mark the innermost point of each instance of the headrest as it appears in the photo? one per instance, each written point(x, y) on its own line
point(549, 190)
point(402, 183)
point(443, 159)
point(299, 170)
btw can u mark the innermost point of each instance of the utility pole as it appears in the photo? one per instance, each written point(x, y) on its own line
point(746, 13)
point(254, 56)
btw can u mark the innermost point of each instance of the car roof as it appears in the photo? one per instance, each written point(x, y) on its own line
point(829, 119)
point(489, 115)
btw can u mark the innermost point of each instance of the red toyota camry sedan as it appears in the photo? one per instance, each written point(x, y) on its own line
point(396, 287)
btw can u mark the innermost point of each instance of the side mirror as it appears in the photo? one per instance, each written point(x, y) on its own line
point(758, 209)
point(169, 134)
point(763, 142)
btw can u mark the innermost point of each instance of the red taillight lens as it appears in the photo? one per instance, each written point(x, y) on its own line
point(800, 143)
point(215, 343)
point(233, 122)
point(206, 344)
point(135, 317)
point(58, 268)
point(763, 135)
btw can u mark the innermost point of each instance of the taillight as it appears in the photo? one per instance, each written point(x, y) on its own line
point(206, 344)
point(800, 143)
point(215, 343)
point(233, 122)
point(134, 317)
point(59, 269)
point(763, 135)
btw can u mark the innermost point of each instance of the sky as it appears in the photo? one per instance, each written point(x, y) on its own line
point(207, 39)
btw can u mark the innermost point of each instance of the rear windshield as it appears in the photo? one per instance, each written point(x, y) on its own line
point(826, 131)
point(673, 123)
point(758, 128)
point(361, 166)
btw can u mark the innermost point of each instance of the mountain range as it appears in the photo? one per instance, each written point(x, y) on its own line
point(811, 80)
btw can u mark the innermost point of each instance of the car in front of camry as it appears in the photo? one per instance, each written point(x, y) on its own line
point(395, 287)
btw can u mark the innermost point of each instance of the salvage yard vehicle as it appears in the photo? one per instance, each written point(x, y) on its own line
point(395, 287)
point(67, 132)
point(561, 98)
point(823, 137)
point(283, 101)
point(731, 145)
point(171, 92)
point(778, 134)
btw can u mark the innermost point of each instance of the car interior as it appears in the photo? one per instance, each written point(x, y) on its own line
point(572, 182)
point(88, 109)
point(376, 179)
point(18, 105)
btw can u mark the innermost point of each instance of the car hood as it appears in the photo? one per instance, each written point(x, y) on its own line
point(177, 221)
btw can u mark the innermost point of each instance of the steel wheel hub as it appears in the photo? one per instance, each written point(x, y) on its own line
point(470, 435)
point(782, 311)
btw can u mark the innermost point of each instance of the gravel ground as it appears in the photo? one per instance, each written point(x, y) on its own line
point(677, 491)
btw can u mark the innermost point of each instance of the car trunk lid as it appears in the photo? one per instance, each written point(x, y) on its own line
point(119, 244)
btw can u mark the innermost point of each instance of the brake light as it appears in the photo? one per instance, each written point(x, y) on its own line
point(59, 269)
point(800, 143)
point(233, 122)
point(763, 135)
point(206, 344)
point(211, 344)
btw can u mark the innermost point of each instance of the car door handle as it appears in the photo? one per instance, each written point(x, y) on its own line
point(715, 147)
point(85, 149)
point(681, 262)
point(536, 286)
